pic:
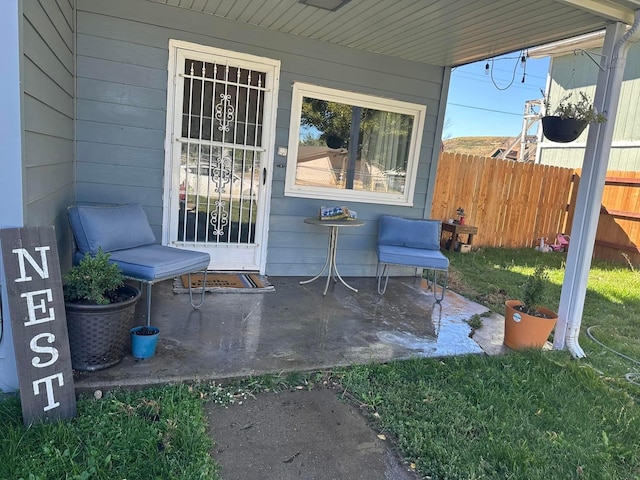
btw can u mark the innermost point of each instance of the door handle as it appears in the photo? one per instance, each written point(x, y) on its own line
point(264, 175)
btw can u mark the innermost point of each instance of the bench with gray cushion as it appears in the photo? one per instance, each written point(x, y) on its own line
point(411, 243)
point(124, 232)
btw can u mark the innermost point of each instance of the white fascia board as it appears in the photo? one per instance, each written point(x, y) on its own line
point(617, 11)
point(563, 47)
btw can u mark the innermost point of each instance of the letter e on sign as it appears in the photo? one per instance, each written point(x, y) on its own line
point(38, 322)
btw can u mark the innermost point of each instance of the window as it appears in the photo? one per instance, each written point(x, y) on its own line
point(353, 147)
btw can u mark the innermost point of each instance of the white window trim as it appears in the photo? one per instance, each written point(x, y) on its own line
point(419, 112)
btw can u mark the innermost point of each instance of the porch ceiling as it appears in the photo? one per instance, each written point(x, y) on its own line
point(437, 32)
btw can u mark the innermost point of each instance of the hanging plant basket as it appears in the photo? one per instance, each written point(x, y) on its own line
point(562, 130)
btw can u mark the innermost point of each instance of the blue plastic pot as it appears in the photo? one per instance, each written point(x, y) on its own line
point(143, 345)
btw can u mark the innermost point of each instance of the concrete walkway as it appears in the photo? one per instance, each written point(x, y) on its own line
point(301, 435)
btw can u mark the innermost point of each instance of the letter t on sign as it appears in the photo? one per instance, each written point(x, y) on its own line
point(34, 287)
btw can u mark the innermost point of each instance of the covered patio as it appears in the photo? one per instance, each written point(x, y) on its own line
point(295, 328)
point(95, 113)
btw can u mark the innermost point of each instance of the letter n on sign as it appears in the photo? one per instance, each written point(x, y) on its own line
point(39, 323)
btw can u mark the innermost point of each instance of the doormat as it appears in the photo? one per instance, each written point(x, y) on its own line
point(224, 282)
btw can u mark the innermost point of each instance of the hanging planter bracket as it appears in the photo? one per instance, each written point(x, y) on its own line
point(590, 56)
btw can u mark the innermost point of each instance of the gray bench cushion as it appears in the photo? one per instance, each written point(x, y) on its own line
point(414, 257)
point(406, 232)
point(156, 262)
point(110, 227)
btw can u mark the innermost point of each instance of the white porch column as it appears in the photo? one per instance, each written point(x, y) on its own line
point(594, 169)
point(11, 214)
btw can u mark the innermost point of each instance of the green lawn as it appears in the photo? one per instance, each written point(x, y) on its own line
point(527, 415)
point(156, 433)
point(522, 416)
point(611, 310)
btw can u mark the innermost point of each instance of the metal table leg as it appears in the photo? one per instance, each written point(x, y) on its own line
point(331, 264)
point(334, 240)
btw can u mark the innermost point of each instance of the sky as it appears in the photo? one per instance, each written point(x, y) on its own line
point(492, 104)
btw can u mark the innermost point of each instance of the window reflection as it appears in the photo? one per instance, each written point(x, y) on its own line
point(351, 147)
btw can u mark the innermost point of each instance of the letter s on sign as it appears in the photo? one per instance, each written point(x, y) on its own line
point(35, 361)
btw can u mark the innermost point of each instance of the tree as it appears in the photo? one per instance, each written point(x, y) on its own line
point(330, 118)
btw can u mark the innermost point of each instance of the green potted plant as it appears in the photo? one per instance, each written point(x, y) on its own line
point(100, 308)
point(570, 118)
point(527, 323)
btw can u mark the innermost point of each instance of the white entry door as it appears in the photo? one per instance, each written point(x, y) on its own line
point(220, 134)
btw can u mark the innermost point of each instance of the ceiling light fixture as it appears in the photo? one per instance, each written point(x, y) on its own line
point(331, 5)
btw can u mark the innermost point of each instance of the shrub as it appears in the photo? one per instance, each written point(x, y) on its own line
point(534, 290)
point(92, 280)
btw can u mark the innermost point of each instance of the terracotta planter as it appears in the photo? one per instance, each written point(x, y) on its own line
point(523, 331)
point(562, 130)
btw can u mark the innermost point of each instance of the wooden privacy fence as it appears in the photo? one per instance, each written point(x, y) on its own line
point(515, 204)
point(618, 234)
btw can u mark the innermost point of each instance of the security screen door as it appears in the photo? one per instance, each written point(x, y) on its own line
point(222, 138)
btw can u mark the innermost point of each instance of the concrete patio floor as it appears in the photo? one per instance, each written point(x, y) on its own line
point(295, 328)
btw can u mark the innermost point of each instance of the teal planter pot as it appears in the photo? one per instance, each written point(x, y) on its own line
point(144, 341)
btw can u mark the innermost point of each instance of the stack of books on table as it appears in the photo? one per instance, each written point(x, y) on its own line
point(337, 213)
